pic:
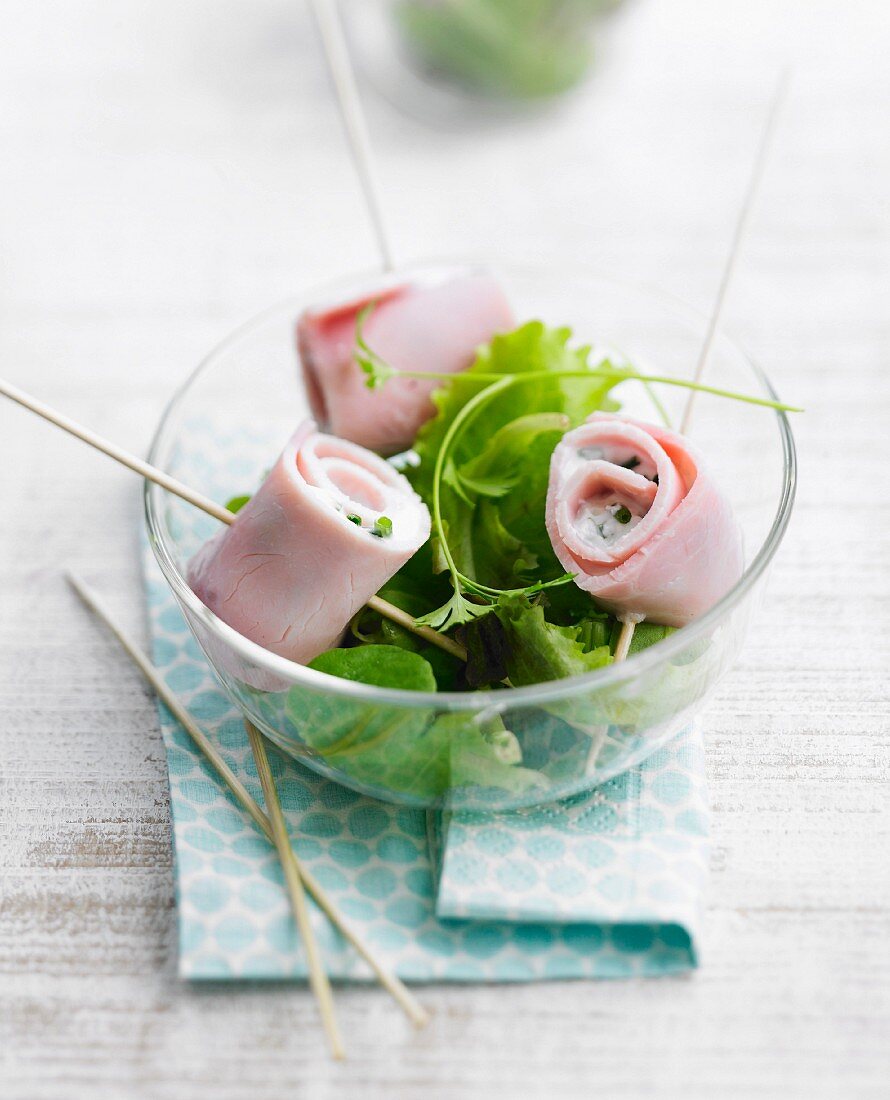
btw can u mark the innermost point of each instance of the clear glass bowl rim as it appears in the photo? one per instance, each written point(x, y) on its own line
point(531, 695)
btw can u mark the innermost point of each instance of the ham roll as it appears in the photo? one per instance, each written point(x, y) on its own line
point(632, 511)
point(327, 528)
point(432, 322)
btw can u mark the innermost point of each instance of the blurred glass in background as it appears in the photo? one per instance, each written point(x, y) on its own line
point(446, 57)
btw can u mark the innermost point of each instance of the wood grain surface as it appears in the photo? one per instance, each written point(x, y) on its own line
point(168, 169)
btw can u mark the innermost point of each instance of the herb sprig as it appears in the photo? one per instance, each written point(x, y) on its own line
point(459, 609)
point(478, 485)
point(378, 372)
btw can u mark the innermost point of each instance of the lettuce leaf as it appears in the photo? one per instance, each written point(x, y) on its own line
point(498, 465)
point(419, 752)
point(540, 650)
point(531, 348)
point(645, 634)
point(370, 628)
point(488, 650)
point(491, 483)
point(388, 666)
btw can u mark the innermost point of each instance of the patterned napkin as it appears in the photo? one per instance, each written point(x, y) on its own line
point(605, 884)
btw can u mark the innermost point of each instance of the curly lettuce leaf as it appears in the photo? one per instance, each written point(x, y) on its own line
point(498, 466)
point(531, 348)
point(540, 650)
point(493, 484)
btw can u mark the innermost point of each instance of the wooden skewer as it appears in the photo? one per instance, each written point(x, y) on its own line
point(330, 29)
point(318, 978)
point(178, 488)
point(628, 626)
point(744, 218)
point(738, 237)
point(397, 615)
point(400, 993)
point(340, 65)
point(622, 647)
point(167, 482)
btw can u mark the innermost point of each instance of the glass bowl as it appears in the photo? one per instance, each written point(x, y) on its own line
point(499, 749)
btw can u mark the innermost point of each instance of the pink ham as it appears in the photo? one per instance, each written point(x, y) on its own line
point(292, 569)
point(433, 322)
point(665, 549)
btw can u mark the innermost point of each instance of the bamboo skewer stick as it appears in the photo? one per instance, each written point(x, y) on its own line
point(138, 465)
point(336, 51)
point(397, 615)
point(330, 29)
point(318, 978)
point(192, 496)
point(400, 993)
point(741, 228)
point(622, 647)
point(626, 636)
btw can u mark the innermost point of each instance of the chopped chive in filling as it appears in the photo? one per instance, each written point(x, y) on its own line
point(353, 518)
point(631, 464)
point(382, 528)
point(237, 503)
point(606, 523)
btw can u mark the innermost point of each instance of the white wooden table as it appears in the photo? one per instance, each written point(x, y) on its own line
point(169, 169)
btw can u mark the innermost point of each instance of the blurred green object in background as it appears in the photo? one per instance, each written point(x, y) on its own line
point(520, 49)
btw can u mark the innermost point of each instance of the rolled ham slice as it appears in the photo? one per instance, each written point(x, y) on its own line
point(293, 568)
point(633, 512)
point(432, 322)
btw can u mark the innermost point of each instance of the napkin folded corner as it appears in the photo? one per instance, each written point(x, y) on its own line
point(621, 865)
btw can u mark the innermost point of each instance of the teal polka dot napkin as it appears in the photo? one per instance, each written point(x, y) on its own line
point(630, 855)
point(603, 885)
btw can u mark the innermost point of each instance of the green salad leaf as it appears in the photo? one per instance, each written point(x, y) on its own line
point(481, 463)
point(498, 466)
point(645, 635)
point(540, 650)
point(385, 666)
point(488, 445)
point(485, 459)
point(370, 628)
point(530, 349)
point(416, 751)
point(488, 651)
